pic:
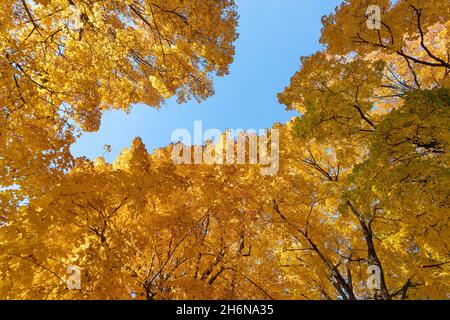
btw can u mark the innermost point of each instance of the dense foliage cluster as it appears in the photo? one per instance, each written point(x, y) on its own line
point(363, 180)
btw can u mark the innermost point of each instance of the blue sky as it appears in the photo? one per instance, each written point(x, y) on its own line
point(274, 34)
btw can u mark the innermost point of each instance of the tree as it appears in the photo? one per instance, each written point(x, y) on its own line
point(64, 62)
point(138, 228)
point(377, 100)
point(362, 185)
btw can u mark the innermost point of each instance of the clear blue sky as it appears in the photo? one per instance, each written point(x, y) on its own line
point(274, 34)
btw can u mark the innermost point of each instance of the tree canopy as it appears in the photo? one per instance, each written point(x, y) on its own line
point(363, 178)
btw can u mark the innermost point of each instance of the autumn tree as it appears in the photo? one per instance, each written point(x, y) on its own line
point(140, 228)
point(64, 62)
point(363, 179)
point(378, 101)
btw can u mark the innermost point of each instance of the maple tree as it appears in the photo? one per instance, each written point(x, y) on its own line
point(363, 179)
point(377, 101)
point(64, 62)
point(140, 226)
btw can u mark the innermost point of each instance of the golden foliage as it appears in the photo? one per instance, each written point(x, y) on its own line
point(363, 180)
